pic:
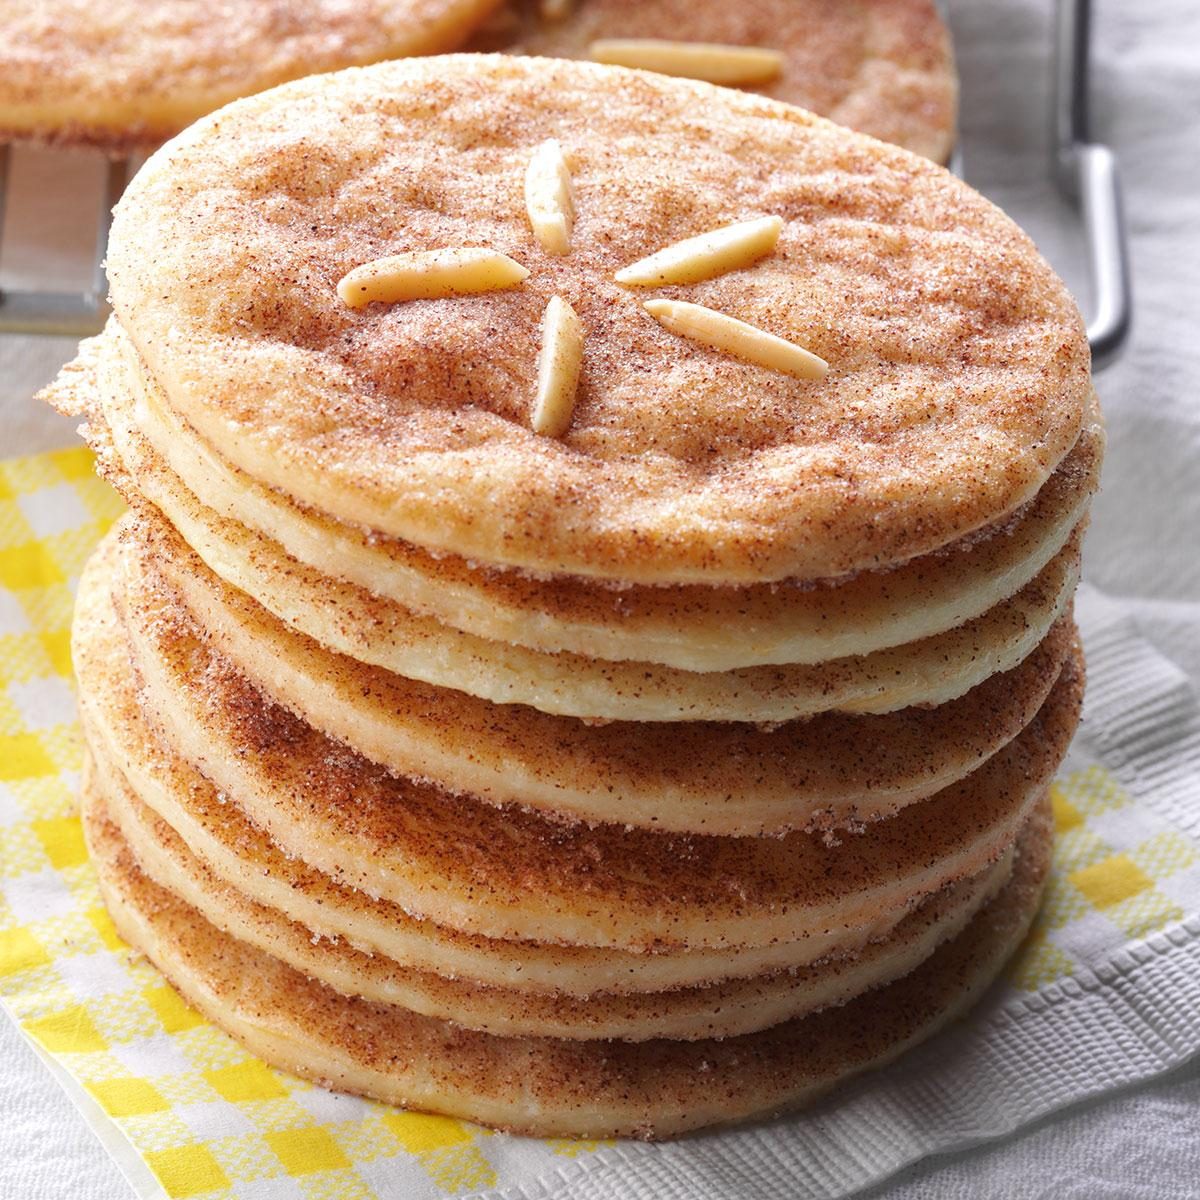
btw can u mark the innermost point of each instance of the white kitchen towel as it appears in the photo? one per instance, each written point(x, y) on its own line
point(1125, 1009)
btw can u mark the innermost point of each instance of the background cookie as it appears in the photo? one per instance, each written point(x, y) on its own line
point(884, 67)
point(129, 73)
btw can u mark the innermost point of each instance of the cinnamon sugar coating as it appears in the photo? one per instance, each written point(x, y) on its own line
point(125, 752)
point(725, 778)
point(547, 1086)
point(959, 364)
point(509, 873)
point(720, 1010)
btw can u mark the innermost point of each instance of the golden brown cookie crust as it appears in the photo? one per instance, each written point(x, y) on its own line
point(436, 854)
point(959, 364)
point(548, 1086)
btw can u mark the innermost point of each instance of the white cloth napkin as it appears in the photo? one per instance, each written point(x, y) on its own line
point(1133, 1014)
point(1105, 995)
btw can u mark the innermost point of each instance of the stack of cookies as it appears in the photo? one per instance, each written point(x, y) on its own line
point(592, 638)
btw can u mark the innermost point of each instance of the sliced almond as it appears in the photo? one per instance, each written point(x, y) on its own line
point(706, 256)
point(559, 364)
point(430, 275)
point(735, 337)
point(717, 63)
point(549, 197)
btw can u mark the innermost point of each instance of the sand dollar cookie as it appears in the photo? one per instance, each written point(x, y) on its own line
point(823, 354)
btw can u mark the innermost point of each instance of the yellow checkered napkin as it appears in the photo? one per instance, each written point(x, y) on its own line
point(1106, 991)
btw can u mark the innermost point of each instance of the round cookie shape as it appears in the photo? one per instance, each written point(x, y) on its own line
point(130, 73)
point(694, 777)
point(958, 363)
point(600, 885)
point(718, 1011)
point(549, 1086)
point(884, 67)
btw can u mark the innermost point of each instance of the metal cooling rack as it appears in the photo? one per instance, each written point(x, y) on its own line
point(77, 314)
point(1086, 175)
point(1084, 172)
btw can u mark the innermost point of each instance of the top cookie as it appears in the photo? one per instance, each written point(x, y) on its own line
point(884, 67)
point(128, 73)
point(958, 366)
